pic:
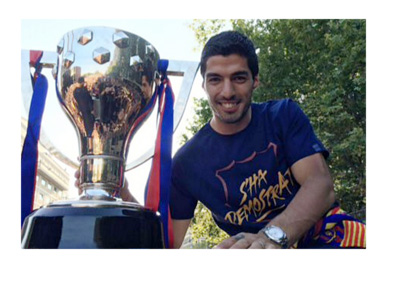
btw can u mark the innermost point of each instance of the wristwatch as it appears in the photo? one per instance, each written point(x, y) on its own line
point(276, 235)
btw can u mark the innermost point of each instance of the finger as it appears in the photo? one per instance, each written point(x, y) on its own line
point(77, 186)
point(124, 192)
point(258, 244)
point(241, 244)
point(76, 183)
point(76, 174)
point(249, 240)
point(236, 241)
point(245, 241)
point(227, 243)
point(125, 195)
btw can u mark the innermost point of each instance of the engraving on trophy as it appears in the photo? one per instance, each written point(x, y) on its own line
point(101, 55)
point(121, 40)
point(86, 37)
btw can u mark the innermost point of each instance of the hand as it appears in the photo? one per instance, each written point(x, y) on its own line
point(77, 175)
point(245, 240)
point(124, 191)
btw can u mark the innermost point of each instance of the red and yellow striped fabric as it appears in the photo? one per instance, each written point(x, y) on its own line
point(354, 234)
point(336, 229)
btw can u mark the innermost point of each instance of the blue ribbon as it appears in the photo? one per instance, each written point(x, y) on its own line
point(165, 150)
point(166, 160)
point(29, 155)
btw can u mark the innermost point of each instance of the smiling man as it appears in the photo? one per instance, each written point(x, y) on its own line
point(259, 168)
point(229, 85)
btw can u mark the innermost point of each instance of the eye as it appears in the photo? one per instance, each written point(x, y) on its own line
point(240, 79)
point(213, 79)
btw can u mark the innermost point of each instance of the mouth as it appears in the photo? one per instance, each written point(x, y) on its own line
point(229, 106)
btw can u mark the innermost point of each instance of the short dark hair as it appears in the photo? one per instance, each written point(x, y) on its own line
point(228, 43)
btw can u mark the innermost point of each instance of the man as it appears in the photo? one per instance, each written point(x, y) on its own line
point(259, 168)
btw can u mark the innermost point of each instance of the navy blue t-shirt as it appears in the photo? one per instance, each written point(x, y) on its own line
point(244, 178)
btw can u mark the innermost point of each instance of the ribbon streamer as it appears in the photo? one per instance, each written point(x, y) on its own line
point(29, 156)
point(158, 187)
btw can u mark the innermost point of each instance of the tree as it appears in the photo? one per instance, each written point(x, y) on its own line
point(321, 64)
point(204, 231)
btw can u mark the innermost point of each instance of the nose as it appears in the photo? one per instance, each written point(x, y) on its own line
point(228, 90)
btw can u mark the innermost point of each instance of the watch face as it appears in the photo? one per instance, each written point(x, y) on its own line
point(275, 232)
point(277, 235)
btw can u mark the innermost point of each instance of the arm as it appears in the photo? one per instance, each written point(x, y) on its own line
point(179, 228)
point(124, 192)
point(313, 199)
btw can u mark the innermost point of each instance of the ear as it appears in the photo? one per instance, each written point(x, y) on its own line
point(256, 82)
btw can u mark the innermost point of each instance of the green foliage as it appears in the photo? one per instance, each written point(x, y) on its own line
point(205, 28)
point(321, 64)
point(205, 234)
point(202, 116)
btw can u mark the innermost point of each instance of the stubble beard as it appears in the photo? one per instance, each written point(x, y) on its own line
point(230, 118)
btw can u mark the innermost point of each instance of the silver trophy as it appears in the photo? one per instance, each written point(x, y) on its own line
point(105, 81)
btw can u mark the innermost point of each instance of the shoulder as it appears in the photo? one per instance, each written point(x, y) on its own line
point(275, 105)
point(194, 146)
point(276, 109)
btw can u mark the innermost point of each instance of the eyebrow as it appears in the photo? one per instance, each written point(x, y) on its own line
point(246, 73)
point(239, 73)
point(212, 74)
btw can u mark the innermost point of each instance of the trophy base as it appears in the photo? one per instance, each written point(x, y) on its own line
point(92, 224)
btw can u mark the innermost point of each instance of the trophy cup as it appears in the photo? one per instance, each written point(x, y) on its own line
point(105, 82)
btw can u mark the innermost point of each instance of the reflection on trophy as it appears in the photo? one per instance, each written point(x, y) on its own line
point(105, 81)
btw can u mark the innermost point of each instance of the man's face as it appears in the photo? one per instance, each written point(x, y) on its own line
point(146, 88)
point(229, 85)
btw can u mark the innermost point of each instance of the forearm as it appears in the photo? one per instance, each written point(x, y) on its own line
point(180, 228)
point(127, 197)
point(126, 194)
point(310, 203)
point(313, 199)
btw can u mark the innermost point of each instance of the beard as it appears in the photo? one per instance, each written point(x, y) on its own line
point(230, 117)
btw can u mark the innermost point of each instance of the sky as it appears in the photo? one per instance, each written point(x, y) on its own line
point(171, 37)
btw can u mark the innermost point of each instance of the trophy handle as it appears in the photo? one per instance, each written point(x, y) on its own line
point(175, 68)
point(187, 69)
point(48, 60)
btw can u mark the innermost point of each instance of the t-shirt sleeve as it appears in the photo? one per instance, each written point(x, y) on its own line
point(182, 203)
point(299, 139)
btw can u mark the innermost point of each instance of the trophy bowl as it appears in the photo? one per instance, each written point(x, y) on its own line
point(105, 79)
point(105, 82)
